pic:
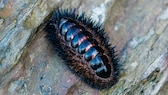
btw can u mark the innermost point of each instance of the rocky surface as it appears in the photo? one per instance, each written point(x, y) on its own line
point(29, 65)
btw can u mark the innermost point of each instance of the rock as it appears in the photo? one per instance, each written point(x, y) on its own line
point(30, 65)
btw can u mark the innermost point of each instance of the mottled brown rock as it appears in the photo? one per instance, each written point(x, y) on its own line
point(29, 65)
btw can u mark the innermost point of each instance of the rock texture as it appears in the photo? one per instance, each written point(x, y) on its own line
point(29, 65)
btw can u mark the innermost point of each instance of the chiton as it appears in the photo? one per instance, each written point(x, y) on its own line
point(84, 47)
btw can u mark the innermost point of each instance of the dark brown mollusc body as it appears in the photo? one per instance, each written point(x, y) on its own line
point(84, 48)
